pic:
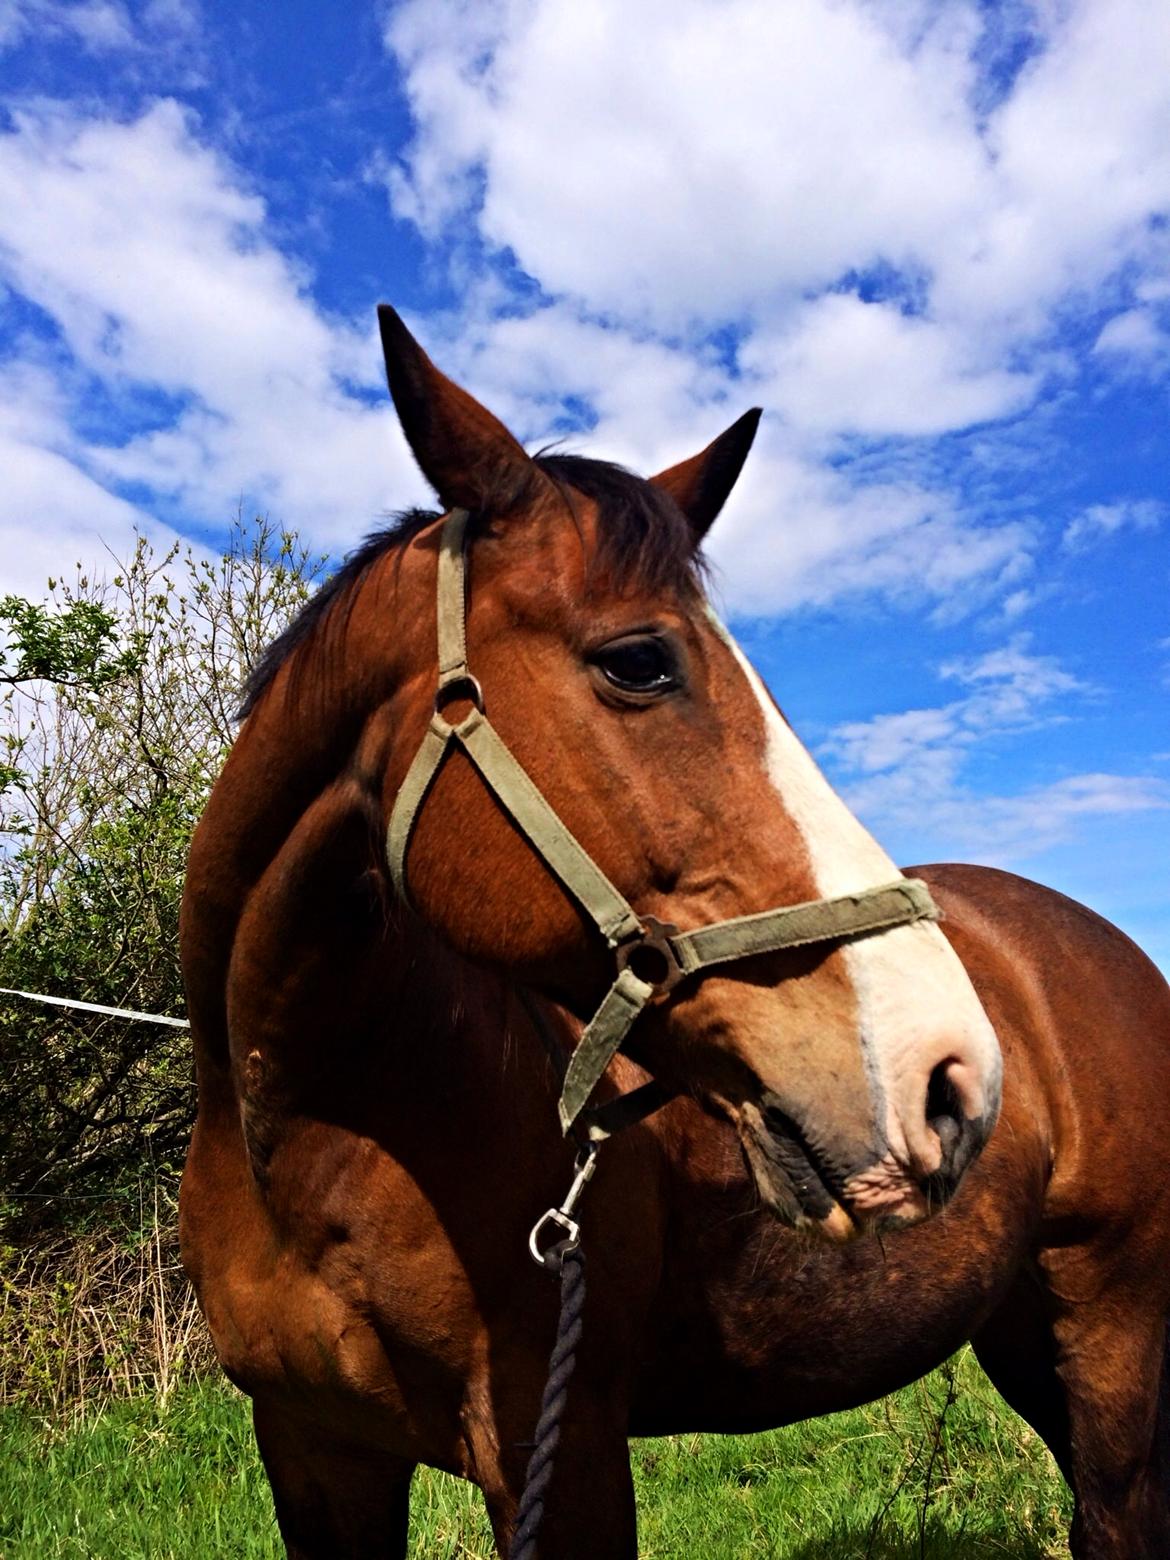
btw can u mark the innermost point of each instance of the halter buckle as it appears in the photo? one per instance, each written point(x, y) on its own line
point(651, 955)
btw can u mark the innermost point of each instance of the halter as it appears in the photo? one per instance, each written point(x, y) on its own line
point(651, 956)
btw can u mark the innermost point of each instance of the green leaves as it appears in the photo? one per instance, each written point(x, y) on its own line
point(117, 708)
point(77, 646)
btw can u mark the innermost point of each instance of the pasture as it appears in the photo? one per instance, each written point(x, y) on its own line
point(939, 1471)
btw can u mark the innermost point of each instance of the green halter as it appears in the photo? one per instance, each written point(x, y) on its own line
point(651, 957)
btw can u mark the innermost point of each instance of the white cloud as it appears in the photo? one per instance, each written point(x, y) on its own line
point(887, 742)
point(53, 516)
point(100, 26)
point(652, 402)
point(741, 167)
point(631, 176)
point(1081, 153)
point(1002, 830)
point(802, 534)
point(1101, 520)
point(150, 254)
point(1135, 337)
point(1008, 684)
point(796, 532)
point(152, 35)
point(905, 771)
point(893, 229)
point(1010, 690)
point(854, 367)
point(745, 154)
point(13, 22)
point(1015, 604)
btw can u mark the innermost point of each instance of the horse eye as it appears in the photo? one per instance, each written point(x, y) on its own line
point(642, 665)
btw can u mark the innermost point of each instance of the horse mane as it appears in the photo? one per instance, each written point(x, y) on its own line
point(643, 539)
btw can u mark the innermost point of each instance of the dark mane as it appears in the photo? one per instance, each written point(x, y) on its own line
point(643, 538)
point(318, 607)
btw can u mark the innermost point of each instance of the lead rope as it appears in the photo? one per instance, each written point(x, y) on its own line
point(547, 1436)
point(565, 1257)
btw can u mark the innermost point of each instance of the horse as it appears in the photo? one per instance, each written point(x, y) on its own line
point(876, 1137)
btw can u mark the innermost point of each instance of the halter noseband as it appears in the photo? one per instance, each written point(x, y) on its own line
point(651, 956)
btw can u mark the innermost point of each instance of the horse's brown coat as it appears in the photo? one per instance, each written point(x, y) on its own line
point(377, 1133)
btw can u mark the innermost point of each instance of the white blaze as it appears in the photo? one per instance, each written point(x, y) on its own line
point(916, 1006)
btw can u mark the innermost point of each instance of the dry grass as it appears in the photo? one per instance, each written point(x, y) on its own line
point(100, 1313)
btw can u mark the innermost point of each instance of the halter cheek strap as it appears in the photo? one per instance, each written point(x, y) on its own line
point(651, 956)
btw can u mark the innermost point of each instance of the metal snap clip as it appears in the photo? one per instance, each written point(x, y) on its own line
point(551, 1256)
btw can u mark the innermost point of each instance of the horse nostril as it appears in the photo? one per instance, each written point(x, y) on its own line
point(944, 1114)
point(949, 1132)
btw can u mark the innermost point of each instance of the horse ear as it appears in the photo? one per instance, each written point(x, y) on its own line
point(700, 486)
point(465, 453)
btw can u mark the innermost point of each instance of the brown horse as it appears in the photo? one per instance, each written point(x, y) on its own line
point(377, 1124)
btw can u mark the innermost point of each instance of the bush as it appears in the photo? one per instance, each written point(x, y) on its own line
point(118, 708)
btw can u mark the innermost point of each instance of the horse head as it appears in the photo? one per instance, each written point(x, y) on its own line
point(859, 1071)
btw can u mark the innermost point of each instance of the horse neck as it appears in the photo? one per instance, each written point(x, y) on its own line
point(459, 1049)
point(301, 755)
point(301, 803)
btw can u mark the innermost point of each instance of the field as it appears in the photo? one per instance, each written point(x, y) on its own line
point(937, 1472)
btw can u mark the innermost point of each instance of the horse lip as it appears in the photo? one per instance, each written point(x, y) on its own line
point(789, 1156)
point(806, 1158)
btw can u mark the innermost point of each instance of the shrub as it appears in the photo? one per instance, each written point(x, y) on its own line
point(118, 708)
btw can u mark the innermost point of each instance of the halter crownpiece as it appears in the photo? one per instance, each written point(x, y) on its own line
point(651, 956)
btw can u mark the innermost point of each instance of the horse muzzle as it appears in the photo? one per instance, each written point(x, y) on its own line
point(834, 1191)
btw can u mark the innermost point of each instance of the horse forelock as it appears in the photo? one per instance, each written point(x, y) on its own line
point(643, 541)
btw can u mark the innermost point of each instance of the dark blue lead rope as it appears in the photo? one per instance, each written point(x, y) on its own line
point(552, 1407)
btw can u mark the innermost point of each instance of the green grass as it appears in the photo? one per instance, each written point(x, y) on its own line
point(182, 1481)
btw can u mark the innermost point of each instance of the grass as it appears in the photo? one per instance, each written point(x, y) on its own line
point(939, 1471)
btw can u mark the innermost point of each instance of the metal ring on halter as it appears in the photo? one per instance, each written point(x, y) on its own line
point(652, 957)
point(462, 686)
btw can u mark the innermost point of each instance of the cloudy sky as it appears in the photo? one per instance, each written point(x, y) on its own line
point(930, 237)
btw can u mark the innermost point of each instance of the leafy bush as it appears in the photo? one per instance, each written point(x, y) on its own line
point(118, 710)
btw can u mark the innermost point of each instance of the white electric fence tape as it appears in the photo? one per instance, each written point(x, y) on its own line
point(96, 1007)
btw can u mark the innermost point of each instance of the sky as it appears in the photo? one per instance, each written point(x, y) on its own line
point(931, 238)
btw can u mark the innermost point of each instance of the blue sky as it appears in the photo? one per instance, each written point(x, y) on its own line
point(930, 237)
